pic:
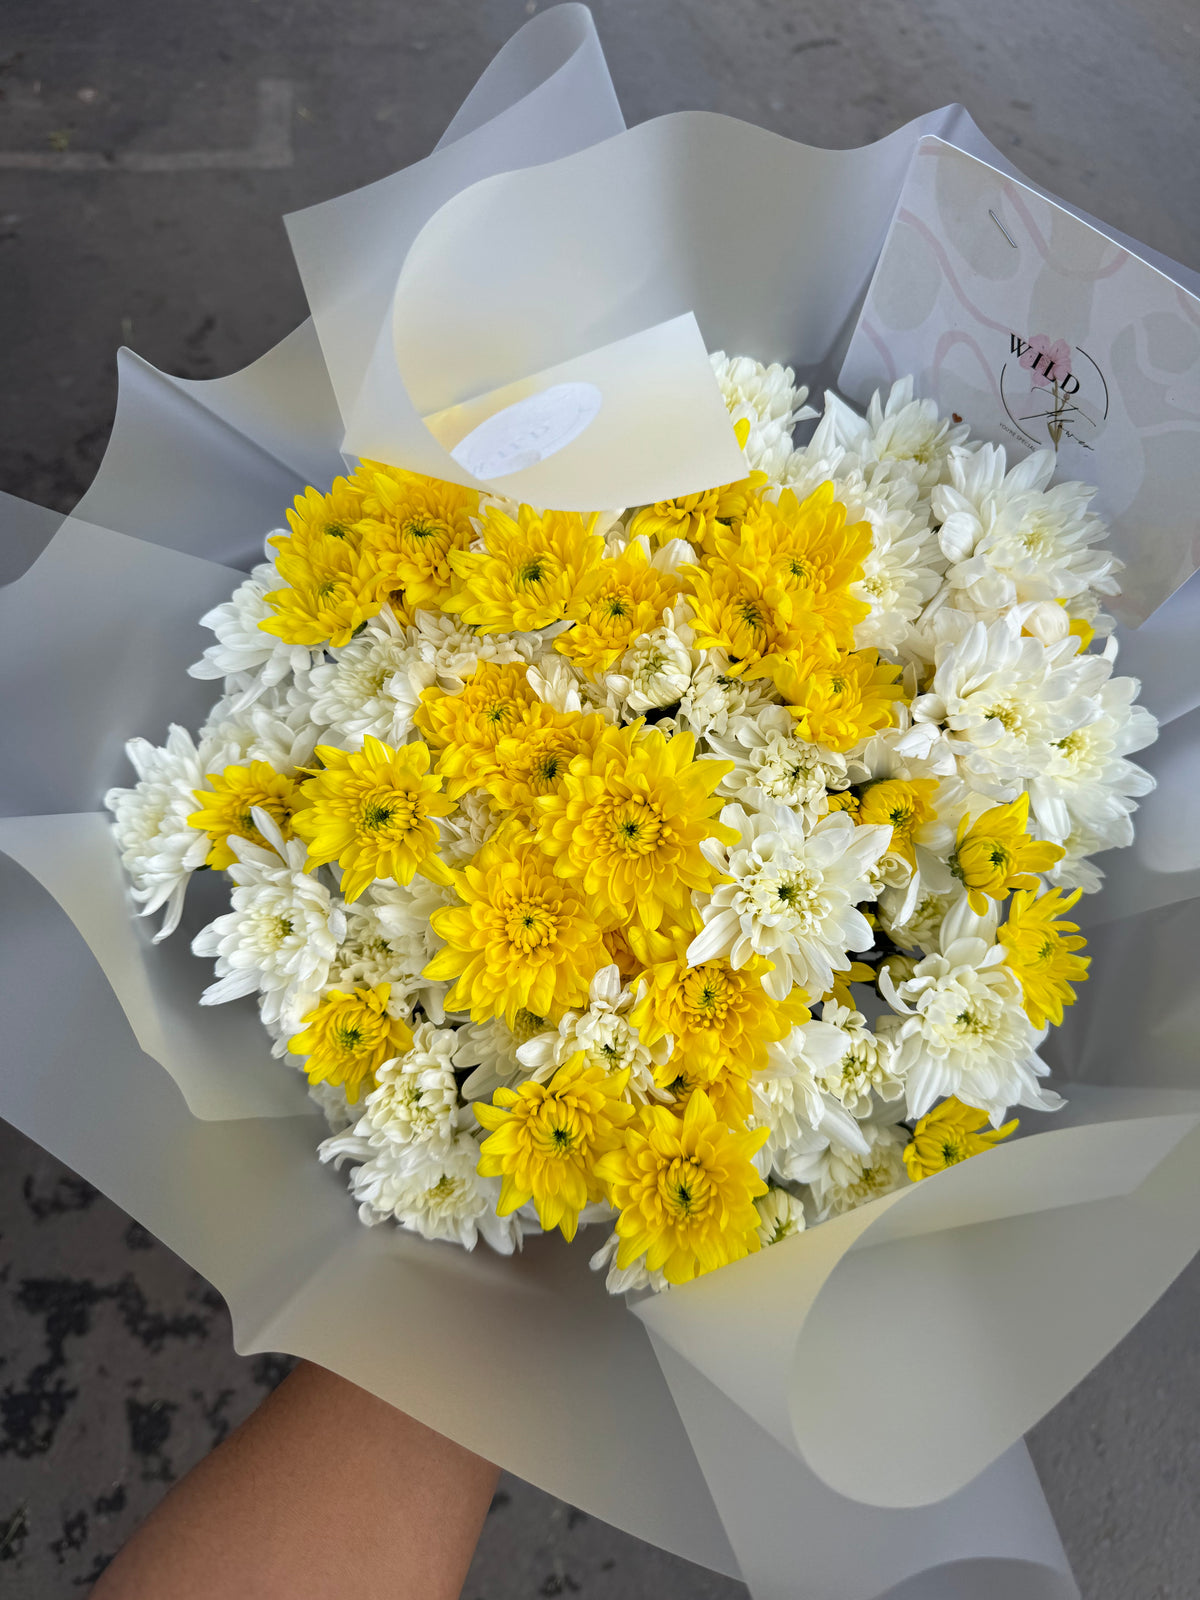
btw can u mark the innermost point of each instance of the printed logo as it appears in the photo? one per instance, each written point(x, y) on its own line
point(1053, 391)
point(528, 431)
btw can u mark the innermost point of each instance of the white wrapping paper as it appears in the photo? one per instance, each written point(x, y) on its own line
point(838, 1417)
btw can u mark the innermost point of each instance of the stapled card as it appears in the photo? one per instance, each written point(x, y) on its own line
point(1042, 333)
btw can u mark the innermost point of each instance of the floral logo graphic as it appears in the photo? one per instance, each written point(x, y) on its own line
point(1048, 363)
point(1067, 397)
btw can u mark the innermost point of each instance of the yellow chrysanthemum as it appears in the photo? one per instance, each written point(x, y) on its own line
point(348, 1037)
point(547, 1137)
point(534, 759)
point(808, 549)
point(718, 1015)
point(670, 939)
point(685, 1188)
point(728, 1091)
point(226, 804)
point(903, 804)
point(738, 608)
point(843, 800)
point(948, 1134)
point(994, 853)
point(621, 952)
point(317, 518)
point(698, 518)
point(327, 600)
point(373, 811)
point(467, 727)
point(1041, 947)
point(410, 524)
point(521, 939)
point(526, 1025)
point(537, 570)
point(628, 601)
point(629, 821)
point(837, 705)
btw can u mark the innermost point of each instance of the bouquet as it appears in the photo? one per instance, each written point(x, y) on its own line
point(625, 801)
point(702, 869)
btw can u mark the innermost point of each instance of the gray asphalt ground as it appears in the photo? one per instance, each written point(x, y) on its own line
point(116, 1371)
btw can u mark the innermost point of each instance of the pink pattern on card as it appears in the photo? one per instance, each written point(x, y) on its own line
point(1047, 362)
point(1086, 274)
point(938, 251)
point(954, 337)
point(876, 338)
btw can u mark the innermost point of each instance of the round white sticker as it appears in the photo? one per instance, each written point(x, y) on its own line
point(527, 432)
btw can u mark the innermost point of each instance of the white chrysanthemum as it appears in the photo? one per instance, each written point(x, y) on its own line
point(793, 897)
point(813, 464)
point(904, 567)
point(159, 849)
point(1050, 620)
point(452, 653)
point(561, 684)
point(432, 1189)
point(904, 435)
point(282, 933)
point(937, 626)
point(373, 685)
point(898, 579)
point(416, 1099)
point(780, 1215)
point(606, 1036)
point(768, 399)
point(846, 1178)
point(656, 670)
point(663, 668)
point(771, 766)
point(801, 1115)
point(616, 535)
point(891, 871)
point(908, 750)
point(271, 729)
point(1086, 782)
point(671, 556)
point(491, 1048)
point(389, 939)
point(867, 1066)
point(913, 922)
point(352, 695)
point(1075, 869)
point(892, 505)
point(900, 968)
point(250, 660)
point(962, 1028)
point(1005, 699)
point(1012, 538)
point(467, 828)
point(808, 468)
point(713, 699)
point(624, 1280)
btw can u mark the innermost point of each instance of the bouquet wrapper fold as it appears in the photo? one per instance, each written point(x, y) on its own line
point(839, 1417)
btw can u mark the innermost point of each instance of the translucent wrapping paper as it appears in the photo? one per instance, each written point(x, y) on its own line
point(839, 1417)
